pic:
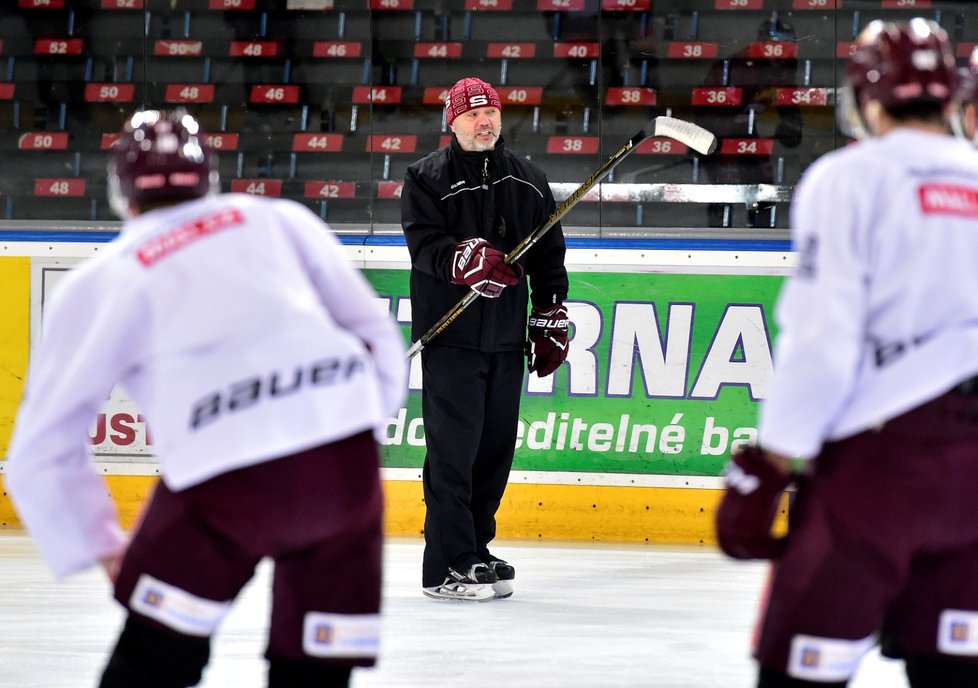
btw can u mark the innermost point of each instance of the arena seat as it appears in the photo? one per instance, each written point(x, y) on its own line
point(57, 208)
point(328, 101)
point(507, 26)
point(385, 201)
point(336, 168)
point(177, 68)
point(302, 28)
point(557, 73)
point(334, 63)
point(10, 109)
point(251, 71)
point(109, 32)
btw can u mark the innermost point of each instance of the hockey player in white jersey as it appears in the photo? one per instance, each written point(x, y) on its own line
point(262, 362)
point(873, 408)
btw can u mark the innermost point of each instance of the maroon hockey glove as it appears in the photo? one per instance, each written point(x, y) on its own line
point(482, 268)
point(749, 506)
point(546, 348)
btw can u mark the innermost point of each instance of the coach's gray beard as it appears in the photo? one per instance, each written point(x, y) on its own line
point(479, 146)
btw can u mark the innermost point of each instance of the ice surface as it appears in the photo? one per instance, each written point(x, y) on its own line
point(583, 616)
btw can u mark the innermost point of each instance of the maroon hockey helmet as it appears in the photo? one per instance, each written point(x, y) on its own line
point(898, 64)
point(160, 156)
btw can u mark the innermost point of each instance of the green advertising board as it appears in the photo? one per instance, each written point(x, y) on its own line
point(663, 377)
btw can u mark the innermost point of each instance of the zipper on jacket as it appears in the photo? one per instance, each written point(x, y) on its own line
point(485, 172)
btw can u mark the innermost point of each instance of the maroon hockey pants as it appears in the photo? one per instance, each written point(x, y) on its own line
point(883, 538)
point(316, 514)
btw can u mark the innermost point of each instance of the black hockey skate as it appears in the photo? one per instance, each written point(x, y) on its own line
point(472, 585)
point(505, 572)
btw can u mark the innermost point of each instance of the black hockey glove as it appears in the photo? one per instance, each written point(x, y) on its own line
point(749, 506)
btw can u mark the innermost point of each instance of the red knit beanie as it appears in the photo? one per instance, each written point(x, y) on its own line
point(468, 94)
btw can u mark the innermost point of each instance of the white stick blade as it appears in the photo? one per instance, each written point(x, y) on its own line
point(693, 135)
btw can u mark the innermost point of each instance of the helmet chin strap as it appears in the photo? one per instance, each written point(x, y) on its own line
point(964, 118)
point(117, 201)
point(970, 120)
point(873, 117)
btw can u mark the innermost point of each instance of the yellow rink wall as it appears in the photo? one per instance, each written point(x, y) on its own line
point(531, 512)
point(15, 288)
point(15, 295)
point(528, 512)
point(574, 512)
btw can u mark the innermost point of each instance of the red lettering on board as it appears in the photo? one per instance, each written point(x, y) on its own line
point(124, 432)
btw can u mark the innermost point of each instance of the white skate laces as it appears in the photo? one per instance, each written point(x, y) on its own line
point(473, 585)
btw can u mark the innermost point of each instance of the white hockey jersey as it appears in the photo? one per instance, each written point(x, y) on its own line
point(240, 330)
point(881, 314)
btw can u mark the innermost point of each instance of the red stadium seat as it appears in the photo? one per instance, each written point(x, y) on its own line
point(257, 187)
point(330, 189)
point(392, 143)
point(752, 147)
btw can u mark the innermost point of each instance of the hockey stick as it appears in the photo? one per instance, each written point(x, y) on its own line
point(693, 135)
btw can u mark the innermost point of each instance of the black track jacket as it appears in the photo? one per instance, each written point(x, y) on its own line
point(451, 195)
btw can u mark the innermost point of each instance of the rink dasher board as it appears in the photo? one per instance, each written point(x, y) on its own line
point(543, 501)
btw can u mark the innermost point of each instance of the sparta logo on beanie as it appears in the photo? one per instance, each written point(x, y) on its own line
point(468, 94)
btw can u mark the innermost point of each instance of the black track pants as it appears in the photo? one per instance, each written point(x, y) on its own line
point(470, 404)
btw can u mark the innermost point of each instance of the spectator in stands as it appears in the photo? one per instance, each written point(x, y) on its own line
point(257, 353)
point(463, 208)
point(874, 402)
